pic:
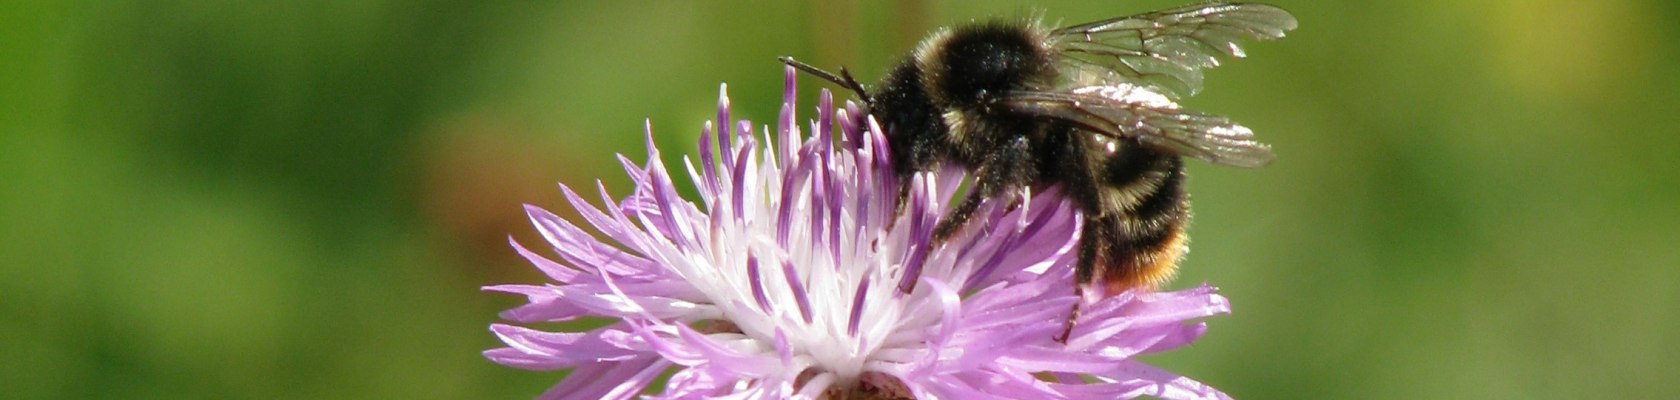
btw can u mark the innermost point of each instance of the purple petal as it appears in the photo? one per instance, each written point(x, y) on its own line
point(857, 306)
point(607, 380)
point(580, 248)
point(534, 349)
point(738, 363)
point(1137, 379)
point(555, 271)
point(619, 229)
point(798, 289)
point(785, 120)
point(756, 279)
point(725, 144)
point(708, 165)
point(738, 194)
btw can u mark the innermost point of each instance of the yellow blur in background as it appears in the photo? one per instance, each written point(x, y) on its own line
point(209, 199)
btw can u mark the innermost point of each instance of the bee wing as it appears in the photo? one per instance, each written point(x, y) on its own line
point(1130, 112)
point(1167, 49)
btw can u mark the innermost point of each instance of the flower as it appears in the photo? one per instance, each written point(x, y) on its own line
point(793, 277)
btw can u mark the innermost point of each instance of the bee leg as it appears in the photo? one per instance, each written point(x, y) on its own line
point(898, 205)
point(954, 219)
point(1090, 244)
point(903, 196)
point(1007, 169)
point(1073, 314)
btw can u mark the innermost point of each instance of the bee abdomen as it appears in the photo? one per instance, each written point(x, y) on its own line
point(1139, 242)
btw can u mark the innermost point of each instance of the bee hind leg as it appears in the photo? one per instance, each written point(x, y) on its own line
point(1084, 273)
point(1073, 314)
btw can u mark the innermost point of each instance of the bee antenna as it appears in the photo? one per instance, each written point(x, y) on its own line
point(844, 79)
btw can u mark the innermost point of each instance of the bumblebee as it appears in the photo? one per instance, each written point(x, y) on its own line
point(1091, 107)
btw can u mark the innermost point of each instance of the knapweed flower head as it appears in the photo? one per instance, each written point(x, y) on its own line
point(794, 276)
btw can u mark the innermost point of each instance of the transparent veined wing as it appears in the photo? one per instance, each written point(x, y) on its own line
point(1165, 50)
point(1132, 112)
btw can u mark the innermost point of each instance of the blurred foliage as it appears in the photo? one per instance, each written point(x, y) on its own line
point(212, 199)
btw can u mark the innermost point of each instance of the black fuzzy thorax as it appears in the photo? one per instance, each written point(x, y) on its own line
point(965, 71)
point(971, 66)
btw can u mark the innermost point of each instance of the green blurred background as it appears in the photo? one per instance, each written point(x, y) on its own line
point(216, 199)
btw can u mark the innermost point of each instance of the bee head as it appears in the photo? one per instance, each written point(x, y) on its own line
point(973, 65)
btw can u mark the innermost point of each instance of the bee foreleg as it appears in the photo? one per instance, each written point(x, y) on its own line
point(1006, 169)
point(954, 219)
